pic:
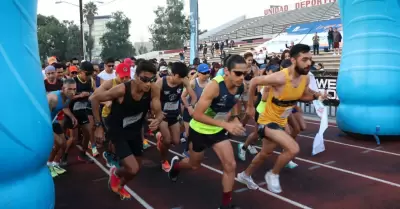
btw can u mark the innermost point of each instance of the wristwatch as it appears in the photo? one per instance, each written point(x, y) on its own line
point(98, 124)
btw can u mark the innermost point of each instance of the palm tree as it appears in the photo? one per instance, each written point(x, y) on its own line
point(89, 11)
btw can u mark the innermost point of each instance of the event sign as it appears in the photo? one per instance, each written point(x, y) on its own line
point(301, 4)
point(328, 84)
point(314, 27)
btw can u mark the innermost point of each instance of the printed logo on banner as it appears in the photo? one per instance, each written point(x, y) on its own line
point(328, 84)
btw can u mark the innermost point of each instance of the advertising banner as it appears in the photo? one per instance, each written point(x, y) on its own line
point(311, 28)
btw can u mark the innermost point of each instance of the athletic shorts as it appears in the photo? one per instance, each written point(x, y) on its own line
point(57, 129)
point(336, 45)
point(201, 142)
point(186, 116)
point(82, 116)
point(275, 126)
point(60, 129)
point(171, 120)
point(128, 144)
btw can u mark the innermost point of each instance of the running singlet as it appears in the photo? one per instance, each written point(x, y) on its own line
point(127, 118)
point(219, 108)
point(82, 103)
point(170, 99)
point(59, 106)
point(53, 86)
point(106, 110)
point(278, 109)
point(197, 90)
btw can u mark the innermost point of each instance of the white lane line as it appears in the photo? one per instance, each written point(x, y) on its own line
point(260, 189)
point(130, 191)
point(337, 169)
point(349, 145)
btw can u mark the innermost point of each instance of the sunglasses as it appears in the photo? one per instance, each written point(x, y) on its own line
point(147, 79)
point(110, 66)
point(74, 73)
point(205, 73)
point(239, 73)
point(192, 73)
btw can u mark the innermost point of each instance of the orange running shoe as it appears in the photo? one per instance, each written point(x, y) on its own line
point(114, 181)
point(166, 166)
point(159, 140)
point(124, 194)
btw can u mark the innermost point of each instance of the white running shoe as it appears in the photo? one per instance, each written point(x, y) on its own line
point(241, 152)
point(291, 165)
point(273, 183)
point(252, 150)
point(242, 177)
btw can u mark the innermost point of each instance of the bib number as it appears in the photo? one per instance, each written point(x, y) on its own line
point(287, 112)
point(221, 116)
point(171, 105)
point(131, 120)
point(80, 106)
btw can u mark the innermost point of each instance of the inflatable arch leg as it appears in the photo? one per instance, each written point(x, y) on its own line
point(369, 76)
point(25, 128)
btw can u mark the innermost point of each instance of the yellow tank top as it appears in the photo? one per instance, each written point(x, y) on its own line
point(278, 109)
point(106, 110)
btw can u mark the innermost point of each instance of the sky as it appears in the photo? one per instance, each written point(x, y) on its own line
point(211, 12)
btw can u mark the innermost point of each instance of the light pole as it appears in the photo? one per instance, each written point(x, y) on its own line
point(90, 21)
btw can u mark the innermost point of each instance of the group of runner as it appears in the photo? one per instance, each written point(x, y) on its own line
point(210, 108)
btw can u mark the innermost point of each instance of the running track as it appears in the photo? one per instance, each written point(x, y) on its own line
point(349, 174)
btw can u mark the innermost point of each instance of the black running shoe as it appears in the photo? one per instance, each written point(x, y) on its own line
point(84, 158)
point(173, 173)
point(229, 207)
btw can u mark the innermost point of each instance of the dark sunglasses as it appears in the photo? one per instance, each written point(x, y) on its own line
point(110, 65)
point(205, 73)
point(147, 79)
point(240, 73)
point(74, 73)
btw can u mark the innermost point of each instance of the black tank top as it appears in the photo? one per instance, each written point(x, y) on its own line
point(53, 87)
point(249, 75)
point(170, 99)
point(82, 103)
point(128, 117)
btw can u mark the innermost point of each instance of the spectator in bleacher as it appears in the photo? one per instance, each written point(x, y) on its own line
point(315, 40)
point(212, 49)
point(330, 38)
point(200, 47)
point(196, 62)
point(337, 38)
point(260, 58)
point(204, 50)
point(182, 56)
point(222, 46)
point(215, 67)
point(216, 46)
point(291, 45)
point(222, 56)
point(232, 43)
point(285, 55)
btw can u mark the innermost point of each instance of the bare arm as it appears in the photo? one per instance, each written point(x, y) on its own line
point(185, 94)
point(106, 85)
point(108, 95)
point(52, 100)
point(190, 91)
point(156, 103)
point(275, 79)
point(209, 93)
point(308, 95)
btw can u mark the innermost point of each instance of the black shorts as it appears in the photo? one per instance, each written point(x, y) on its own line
point(66, 124)
point(201, 142)
point(82, 116)
point(256, 115)
point(186, 116)
point(128, 144)
point(171, 120)
point(275, 126)
point(57, 129)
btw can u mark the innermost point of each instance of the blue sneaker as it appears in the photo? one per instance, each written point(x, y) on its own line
point(109, 158)
point(186, 153)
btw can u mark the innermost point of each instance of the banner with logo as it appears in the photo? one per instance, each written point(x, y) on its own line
point(311, 28)
point(328, 84)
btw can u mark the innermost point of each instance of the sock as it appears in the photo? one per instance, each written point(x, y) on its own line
point(244, 147)
point(226, 198)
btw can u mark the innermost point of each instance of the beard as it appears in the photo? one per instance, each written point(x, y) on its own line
point(302, 71)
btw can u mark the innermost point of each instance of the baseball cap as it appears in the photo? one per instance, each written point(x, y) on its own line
point(51, 60)
point(163, 68)
point(73, 68)
point(49, 68)
point(87, 66)
point(203, 68)
point(128, 61)
point(123, 70)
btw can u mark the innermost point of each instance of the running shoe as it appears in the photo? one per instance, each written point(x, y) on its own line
point(241, 152)
point(114, 181)
point(108, 157)
point(186, 154)
point(84, 158)
point(146, 144)
point(242, 177)
point(58, 169)
point(124, 194)
point(64, 160)
point(159, 140)
point(291, 165)
point(94, 151)
point(173, 173)
point(53, 173)
point(252, 150)
point(273, 183)
point(165, 166)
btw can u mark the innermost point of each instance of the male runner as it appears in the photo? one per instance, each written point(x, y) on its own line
point(59, 101)
point(51, 83)
point(82, 111)
point(131, 102)
point(286, 88)
point(123, 73)
point(209, 126)
point(171, 89)
point(108, 73)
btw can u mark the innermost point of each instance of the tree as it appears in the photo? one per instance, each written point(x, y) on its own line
point(55, 38)
point(115, 41)
point(89, 11)
point(169, 30)
point(142, 50)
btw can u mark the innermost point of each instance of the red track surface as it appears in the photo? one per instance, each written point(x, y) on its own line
point(349, 174)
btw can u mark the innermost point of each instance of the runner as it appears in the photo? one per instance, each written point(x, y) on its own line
point(171, 89)
point(131, 102)
point(197, 84)
point(59, 101)
point(123, 73)
point(209, 128)
point(286, 88)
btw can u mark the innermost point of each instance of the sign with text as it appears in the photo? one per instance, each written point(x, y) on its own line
point(301, 4)
point(328, 84)
point(314, 27)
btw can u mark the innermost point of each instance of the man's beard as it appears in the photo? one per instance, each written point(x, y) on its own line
point(301, 71)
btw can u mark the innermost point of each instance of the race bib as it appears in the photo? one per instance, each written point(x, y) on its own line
point(171, 105)
point(221, 116)
point(287, 112)
point(80, 106)
point(131, 120)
